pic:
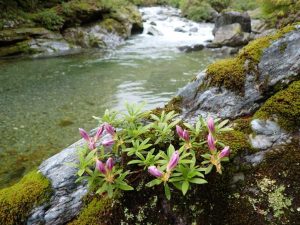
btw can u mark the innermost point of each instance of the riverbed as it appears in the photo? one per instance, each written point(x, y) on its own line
point(44, 100)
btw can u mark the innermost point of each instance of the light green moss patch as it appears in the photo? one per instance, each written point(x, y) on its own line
point(98, 211)
point(236, 140)
point(230, 73)
point(17, 201)
point(284, 106)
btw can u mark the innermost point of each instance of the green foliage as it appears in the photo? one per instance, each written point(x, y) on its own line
point(49, 19)
point(219, 5)
point(284, 107)
point(144, 141)
point(17, 201)
point(280, 12)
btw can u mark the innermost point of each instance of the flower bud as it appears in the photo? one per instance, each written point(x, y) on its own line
point(225, 152)
point(108, 142)
point(211, 124)
point(185, 135)
point(110, 163)
point(92, 145)
point(173, 161)
point(179, 131)
point(100, 166)
point(99, 133)
point(84, 134)
point(211, 142)
point(154, 171)
point(109, 129)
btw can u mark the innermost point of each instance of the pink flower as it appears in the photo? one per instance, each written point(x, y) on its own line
point(225, 152)
point(108, 142)
point(211, 142)
point(100, 166)
point(173, 161)
point(211, 124)
point(184, 134)
point(109, 129)
point(91, 140)
point(154, 171)
point(110, 163)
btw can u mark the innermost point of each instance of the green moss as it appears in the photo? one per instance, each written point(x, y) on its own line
point(243, 125)
point(97, 211)
point(19, 48)
point(172, 105)
point(49, 19)
point(114, 26)
point(236, 140)
point(283, 106)
point(18, 200)
point(230, 73)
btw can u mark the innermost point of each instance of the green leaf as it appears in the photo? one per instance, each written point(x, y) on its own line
point(185, 187)
point(80, 172)
point(167, 192)
point(153, 183)
point(125, 187)
point(208, 169)
point(198, 181)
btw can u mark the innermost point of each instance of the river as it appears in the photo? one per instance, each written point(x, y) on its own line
point(44, 101)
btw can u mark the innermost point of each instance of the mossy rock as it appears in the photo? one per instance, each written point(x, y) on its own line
point(17, 201)
point(284, 106)
point(243, 125)
point(19, 48)
point(231, 73)
point(114, 26)
point(99, 210)
point(237, 141)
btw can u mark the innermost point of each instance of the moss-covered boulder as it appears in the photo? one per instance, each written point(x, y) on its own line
point(17, 201)
point(236, 87)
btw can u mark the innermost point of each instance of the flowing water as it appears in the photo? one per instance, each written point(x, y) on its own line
point(44, 101)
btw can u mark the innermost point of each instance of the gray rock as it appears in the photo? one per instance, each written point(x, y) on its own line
point(231, 35)
point(278, 66)
point(193, 29)
point(227, 18)
point(180, 29)
point(268, 134)
point(258, 26)
point(65, 202)
point(154, 31)
point(192, 48)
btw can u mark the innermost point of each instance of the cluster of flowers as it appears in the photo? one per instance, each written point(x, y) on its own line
point(167, 169)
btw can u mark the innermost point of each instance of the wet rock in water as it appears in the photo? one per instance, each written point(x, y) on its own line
point(153, 23)
point(193, 29)
point(180, 29)
point(154, 31)
point(231, 35)
point(191, 48)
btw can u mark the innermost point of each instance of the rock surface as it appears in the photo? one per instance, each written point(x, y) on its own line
point(91, 26)
point(231, 35)
point(66, 200)
point(227, 18)
point(278, 66)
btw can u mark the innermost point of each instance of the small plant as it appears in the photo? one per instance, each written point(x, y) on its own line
point(156, 144)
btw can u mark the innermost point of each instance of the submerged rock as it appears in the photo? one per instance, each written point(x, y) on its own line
point(192, 48)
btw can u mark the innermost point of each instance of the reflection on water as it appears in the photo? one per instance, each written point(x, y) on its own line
point(44, 101)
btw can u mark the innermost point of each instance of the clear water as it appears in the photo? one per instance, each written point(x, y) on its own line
point(44, 101)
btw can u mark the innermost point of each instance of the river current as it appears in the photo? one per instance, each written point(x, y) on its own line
point(44, 101)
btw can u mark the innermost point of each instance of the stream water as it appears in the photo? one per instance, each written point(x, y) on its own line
point(44, 101)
